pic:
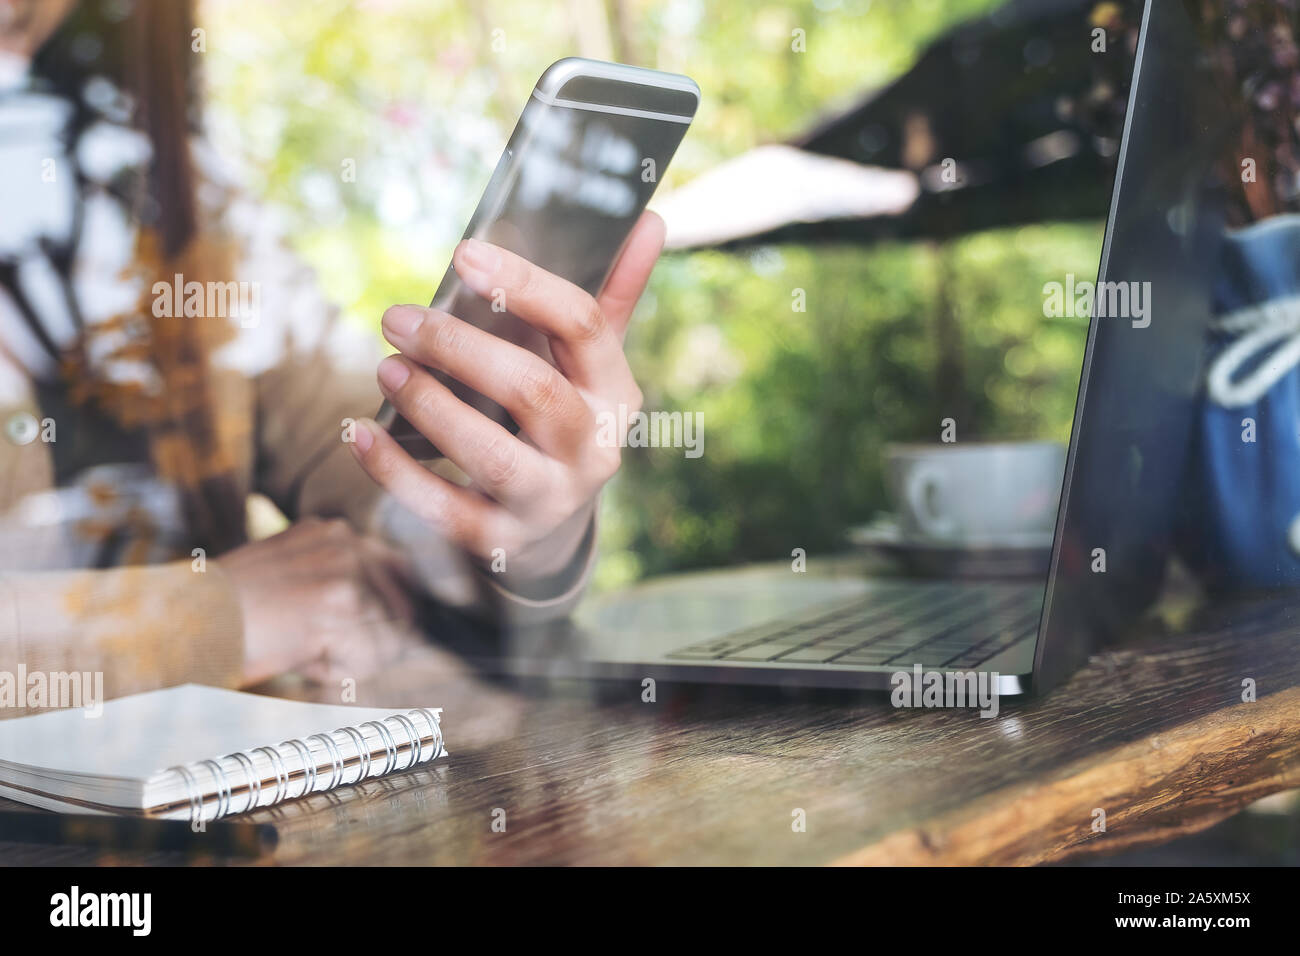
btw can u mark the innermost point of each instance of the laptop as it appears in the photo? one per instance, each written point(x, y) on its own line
point(833, 626)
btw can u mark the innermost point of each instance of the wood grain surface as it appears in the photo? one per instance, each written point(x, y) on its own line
point(1155, 734)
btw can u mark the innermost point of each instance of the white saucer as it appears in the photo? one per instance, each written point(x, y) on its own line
point(1009, 556)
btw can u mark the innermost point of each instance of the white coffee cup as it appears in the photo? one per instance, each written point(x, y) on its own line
point(977, 493)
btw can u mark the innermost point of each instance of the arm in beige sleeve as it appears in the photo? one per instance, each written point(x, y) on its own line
point(140, 627)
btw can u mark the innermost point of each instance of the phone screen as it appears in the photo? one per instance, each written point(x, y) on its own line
point(572, 182)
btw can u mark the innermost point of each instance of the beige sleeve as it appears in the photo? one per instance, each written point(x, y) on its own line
point(458, 582)
point(518, 604)
point(140, 627)
point(303, 463)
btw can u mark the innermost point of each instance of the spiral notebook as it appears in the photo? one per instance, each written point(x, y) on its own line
point(202, 752)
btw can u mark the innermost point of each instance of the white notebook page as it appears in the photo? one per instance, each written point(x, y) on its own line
point(138, 736)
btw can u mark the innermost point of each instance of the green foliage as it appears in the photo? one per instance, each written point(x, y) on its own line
point(419, 97)
point(799, 406)
point(421, 94)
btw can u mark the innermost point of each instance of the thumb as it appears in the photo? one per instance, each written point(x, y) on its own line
point(632, 271)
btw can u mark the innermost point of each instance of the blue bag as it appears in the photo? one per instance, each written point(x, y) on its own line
point(1240, 525)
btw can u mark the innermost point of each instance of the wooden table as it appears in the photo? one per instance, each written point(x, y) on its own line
point(1154, 733)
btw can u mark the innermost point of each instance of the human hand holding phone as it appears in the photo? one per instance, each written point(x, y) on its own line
point(531, 494)
point(524, 334)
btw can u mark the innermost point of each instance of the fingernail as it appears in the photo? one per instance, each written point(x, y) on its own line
point(403, 320)
point(361, 437)
point(476, 264)
point(393, 373)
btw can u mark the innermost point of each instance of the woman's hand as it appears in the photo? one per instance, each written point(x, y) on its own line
point(320, 600)
point(531, 496)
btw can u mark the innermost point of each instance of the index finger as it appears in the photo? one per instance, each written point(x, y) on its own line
point(585, 341)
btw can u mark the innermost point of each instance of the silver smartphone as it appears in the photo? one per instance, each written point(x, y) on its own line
point(585, 157)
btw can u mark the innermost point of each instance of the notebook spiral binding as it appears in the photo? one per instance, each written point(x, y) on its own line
point(227, 793)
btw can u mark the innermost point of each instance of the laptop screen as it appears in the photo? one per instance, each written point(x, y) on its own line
point(1164, 470)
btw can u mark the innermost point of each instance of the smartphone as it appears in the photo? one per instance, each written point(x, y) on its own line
point(590, 147)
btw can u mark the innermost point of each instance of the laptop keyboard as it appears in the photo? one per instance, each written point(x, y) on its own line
point(935, 625)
